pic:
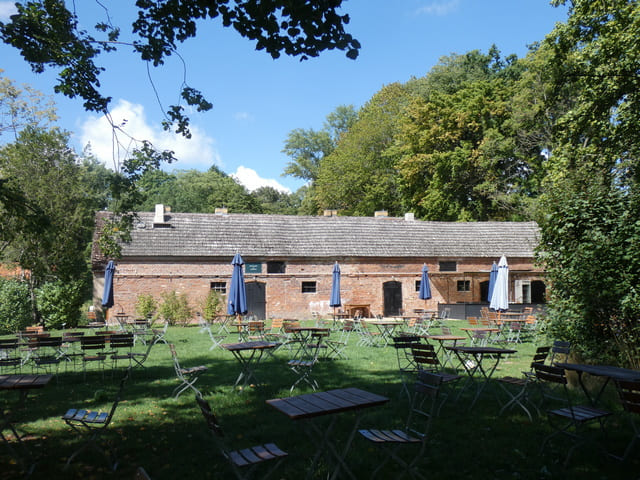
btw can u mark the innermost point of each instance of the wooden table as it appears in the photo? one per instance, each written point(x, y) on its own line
point(471, 330)
point(313, 407)
point(21, 384)
point(608, 372)
point(248, 355)
point(476, 366)
point(302, 335)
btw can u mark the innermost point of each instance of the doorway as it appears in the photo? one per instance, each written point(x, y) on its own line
point(256, 299)
point(392, 294)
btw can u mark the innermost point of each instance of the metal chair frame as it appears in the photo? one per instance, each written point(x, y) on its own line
point(187, 376)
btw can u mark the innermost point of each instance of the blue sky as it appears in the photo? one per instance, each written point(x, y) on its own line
point(257, 101)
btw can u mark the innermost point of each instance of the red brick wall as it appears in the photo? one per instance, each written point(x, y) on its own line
point(361, 282)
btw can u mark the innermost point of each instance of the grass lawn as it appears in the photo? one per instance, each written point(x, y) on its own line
point(169, 438)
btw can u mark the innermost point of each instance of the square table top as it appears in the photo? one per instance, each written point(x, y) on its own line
point(316, 404)
point(616, 373)
point(254, 345)
point(23, 382)
point(481, 350)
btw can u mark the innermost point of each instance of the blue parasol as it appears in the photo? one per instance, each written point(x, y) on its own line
point(492, 280)
point(425, 287)
point(335, 300)
point(237, 300)
point(107, 294)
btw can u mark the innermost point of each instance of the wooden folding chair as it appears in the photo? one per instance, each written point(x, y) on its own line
point(560, 351)
point(424, 409)
point(338, 346)
point(629, 394)
point(521, 385)
point(93, 347)
point(569, 420)
point(187, 376)
point(10, 359)
point(244, 462)
point(91, 424)
point(426, 359)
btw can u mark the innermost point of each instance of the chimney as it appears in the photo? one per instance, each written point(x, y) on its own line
point(409, 217)
point(221, 211)
point(381, 213)
point(159, 218)
point(330, 213)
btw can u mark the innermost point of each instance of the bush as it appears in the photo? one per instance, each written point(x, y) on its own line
point(175, 308)
point(15, 306)
point(60, 303)
point(146, 306)
point(211, 305)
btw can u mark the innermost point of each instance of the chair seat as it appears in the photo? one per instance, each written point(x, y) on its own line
point(192, 370)
point(580, 413)
point(257, 454)
point(389, 436)
point(85, 416)
point(301, 363)
point(514, 381)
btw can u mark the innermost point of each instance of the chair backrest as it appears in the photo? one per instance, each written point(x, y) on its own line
point(473, 321)
point(550, 373)
point(424, 355)
point(123, 380)
point(540, 356)
point(424, 405)
point(446, 330)
point(629, 394)
point(276, 325)
point(289, 324)
point(121, 340)
point(92, 342)
point(209, 416)
point(560, 351)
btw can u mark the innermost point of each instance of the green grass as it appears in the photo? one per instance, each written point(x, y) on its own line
point(169, 438)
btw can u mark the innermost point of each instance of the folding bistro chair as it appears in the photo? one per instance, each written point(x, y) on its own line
point(407, 366)
point(187, 376)
point(426, 359)
point(560, 351)
point(91, 424)
point(337, 347)
point(48, 354)
point(303, 366)
point(423, 410)
point(10, 359)
point(521, 385)
point(569, 420)
point(158, 334)
point(93, 347)
point(629, 393)
point(244, 461)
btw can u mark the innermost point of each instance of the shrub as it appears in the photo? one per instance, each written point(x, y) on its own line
point(175, 308)
point(146, 305)
point(211, 305)
point(15, 306)
point(60, 303)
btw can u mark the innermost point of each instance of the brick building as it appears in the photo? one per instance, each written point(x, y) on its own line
point(289, 261)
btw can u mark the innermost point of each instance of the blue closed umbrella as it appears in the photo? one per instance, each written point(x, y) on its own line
point(425, 287)
point(335, 300)
point(500, 297)
point(492, 280)
point(107, 294)
point(237, 300)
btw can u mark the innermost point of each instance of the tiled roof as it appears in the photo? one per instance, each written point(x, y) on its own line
point(206, 235)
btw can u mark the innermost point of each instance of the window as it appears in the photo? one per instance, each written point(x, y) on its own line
point(464, 285)
point(308, 287)
point(418, 285)
point(276, 267)
point(448, 266)
point(220, 287)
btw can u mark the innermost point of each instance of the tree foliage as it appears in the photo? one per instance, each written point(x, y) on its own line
point(590, 226)
point(48, 34)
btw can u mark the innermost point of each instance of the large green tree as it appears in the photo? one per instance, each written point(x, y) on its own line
point(590, 230)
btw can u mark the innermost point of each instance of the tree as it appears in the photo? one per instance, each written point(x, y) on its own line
point(307, 147)
point(47, 175)
point(359, 176)
point(48, 34)
point(21, 107)
point(590, 242)
point(274, 201)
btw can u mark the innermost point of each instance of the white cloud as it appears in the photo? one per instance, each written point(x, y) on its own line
point(439, 9)
point(108, 144)
point(6, 10)
point(250, 179)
